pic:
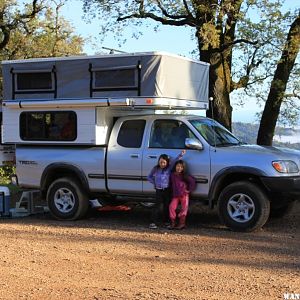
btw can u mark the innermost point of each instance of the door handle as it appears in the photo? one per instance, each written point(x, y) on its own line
point(152, 156)
point(134, 155)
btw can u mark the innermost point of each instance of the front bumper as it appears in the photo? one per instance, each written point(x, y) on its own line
point(283, 185)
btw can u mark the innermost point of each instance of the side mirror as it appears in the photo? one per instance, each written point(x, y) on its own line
point(193, 144)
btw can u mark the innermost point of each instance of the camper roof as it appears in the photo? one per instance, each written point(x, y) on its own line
point(80, 57)
point(156, 75)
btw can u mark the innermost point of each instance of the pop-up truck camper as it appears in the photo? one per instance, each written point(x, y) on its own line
point(87, 128)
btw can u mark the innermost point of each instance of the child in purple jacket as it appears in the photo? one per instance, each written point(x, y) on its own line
point(182, 184)
point(160, 178)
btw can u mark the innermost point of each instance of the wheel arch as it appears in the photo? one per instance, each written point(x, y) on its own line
point(59, 170)
point(229, 175)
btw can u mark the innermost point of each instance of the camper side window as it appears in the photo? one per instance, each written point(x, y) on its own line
point(48, 126)
point(131, 133)
point(34, 82)
point(110, 79)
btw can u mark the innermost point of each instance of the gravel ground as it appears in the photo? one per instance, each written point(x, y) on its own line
point(113, 255)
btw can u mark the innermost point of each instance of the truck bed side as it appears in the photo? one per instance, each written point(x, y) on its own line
point(36, 164)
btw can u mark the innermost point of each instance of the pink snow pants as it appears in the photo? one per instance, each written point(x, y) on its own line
point(184, 201)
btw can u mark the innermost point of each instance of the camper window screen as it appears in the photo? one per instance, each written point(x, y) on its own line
point(115, 79)
point(48, 126)
point(38, 81)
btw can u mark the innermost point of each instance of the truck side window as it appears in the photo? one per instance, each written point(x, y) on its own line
point(131, 133)
point(169, 134)
point(48, 126)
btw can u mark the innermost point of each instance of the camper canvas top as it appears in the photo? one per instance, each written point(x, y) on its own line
point(154, 79)
point(79, 57)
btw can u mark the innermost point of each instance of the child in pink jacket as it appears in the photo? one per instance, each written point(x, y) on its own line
point(182, 184)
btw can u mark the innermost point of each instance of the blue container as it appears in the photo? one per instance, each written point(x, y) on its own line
point(4, 201)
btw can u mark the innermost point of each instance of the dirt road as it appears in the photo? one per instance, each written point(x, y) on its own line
point(113, 255)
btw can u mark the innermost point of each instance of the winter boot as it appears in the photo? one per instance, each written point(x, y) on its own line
point(172, 225)
point(181, 223)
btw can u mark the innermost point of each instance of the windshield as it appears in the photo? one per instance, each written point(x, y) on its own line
point(214, 133)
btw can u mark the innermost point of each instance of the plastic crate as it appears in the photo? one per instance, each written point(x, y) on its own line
point(4, 201)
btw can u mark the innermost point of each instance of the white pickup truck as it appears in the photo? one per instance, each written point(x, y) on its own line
point(243, 180)
point(77, 149)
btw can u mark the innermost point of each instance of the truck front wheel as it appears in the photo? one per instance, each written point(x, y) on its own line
point(243, 206)
point(66, 199)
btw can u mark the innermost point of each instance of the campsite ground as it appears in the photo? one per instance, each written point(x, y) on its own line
point(113, 255)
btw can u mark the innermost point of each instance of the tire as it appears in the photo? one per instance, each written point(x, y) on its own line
point(243, 206)
point(280, 211)
point(66, 199)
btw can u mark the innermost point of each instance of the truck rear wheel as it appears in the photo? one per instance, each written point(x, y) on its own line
point(243, 206)
point(66, 199)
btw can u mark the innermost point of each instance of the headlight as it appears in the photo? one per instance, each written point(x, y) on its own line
point(285, 166)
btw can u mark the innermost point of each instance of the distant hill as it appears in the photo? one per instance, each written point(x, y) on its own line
point(284, 137)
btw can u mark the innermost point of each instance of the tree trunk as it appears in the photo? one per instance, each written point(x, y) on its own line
point(219, 87)
point(278, 85)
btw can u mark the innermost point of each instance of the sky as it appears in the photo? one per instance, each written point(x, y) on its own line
point(166, 39)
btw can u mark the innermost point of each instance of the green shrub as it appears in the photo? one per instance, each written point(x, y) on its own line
point(5, 174)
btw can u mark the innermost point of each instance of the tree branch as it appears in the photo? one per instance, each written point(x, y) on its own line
point(165, 13)
point(187, 9)
point(239, 41)
point(26, 17)
point(5, 38)
point(158, 19)
point(174, 20)
point(244, 80)
point(35, 9)
point(18, 19)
